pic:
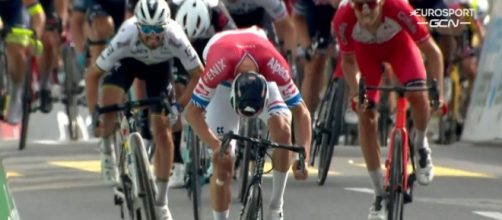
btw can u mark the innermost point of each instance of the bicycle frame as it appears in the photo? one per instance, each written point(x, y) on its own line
point(400, 126)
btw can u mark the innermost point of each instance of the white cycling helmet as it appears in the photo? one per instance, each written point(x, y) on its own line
point(193, 16)
point(152, 12)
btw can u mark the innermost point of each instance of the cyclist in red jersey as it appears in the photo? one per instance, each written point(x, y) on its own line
point(372, 32)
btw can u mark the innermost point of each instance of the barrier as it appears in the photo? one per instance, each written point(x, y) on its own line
point(485, 110)
point(8, 210)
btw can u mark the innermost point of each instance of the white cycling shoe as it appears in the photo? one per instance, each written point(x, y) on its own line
point(162, 212)
point(177, 179)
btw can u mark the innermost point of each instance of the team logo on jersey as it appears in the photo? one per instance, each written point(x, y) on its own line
point(215, 70)
point(278, 68)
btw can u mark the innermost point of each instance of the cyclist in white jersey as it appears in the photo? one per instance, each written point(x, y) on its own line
point(142, 49)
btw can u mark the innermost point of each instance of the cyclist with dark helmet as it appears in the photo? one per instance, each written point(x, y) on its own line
point(245, 76)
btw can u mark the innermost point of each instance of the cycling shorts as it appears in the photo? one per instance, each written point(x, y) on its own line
point(94, 8)
point(406, 62)
point(156, 77)
point(221, 117)
point(318, 18)
point(14, 14)
point(52, 20)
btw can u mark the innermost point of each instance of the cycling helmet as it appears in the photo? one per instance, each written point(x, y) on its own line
point(193, 16)
point(249, 94)
point(152, 12)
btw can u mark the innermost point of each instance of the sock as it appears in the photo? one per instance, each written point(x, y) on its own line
point(107, 146)
point(162, 191)
point(278, 186)
point(420, 140)
point(221, 215)
point(177, 147)
point(377, 180)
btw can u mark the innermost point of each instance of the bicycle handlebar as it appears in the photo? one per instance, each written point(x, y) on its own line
point(162, 101)
point(401, 90)
point(262, 143)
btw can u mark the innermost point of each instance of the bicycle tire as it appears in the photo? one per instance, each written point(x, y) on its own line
point(144, 176)
point(335, 119)
point(396, 193)
point(27, 98)
point(319, 124)
point(71, 103)
point(194, 166)
point(251, 208)
point(246, 159)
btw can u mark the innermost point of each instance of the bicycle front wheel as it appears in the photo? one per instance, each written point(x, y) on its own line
point(27, 98)
point(251, 210)
point(144, 176)
point(70, 84)
point(396, 194)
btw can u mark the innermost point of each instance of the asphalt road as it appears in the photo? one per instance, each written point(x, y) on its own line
point(61, 181)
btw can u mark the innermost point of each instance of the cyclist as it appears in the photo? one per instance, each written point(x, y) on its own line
point(312, 20)
point(142, 49)
point(200, 19)
point(100, 27)
point(265, 13)
point(55, 12)
point(372, 32)
point(14, 15)
point(246, 76)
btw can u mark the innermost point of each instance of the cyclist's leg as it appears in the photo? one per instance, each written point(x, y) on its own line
point(278, 118)
point(221, 118)
point(318, 24)
point(113, 89)
point(157, 78)
point(409, 69)
point(16, 54)
point(49, 60)
point(78, 30)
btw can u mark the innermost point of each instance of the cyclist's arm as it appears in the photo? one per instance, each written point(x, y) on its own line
point(303, 124)
point(195, 117)
point(435, 63)
point(37, 16)
point(92, 83)
point(350, 71)
point(194, 78)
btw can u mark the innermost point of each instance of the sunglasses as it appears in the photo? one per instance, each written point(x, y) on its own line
point(151, 29)
point(359, 5)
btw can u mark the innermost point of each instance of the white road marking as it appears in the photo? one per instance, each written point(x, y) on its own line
point(491, 215)
point(362, 190)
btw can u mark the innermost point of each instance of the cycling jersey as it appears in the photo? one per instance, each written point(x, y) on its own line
point(13, 13)
point(126, 44)
point(226, 50)
point(276, 9)
point(394, 42)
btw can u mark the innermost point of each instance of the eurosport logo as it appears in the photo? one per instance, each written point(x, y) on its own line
point(444, 18)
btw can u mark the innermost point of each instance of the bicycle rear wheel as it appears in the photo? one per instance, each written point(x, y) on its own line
point(251, 210)
point(144, 177)
point(395, 203)
point(27, 98)
point(70, 88)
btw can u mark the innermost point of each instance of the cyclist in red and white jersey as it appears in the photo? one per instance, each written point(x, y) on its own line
point(246, 76)
point(372, 32)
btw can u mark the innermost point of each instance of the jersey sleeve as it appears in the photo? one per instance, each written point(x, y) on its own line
point(409, 21)
point(184, 49)
point(342, 27)
point(115, 51)
point(278, 71)
point(221, 19)
point(219, 68)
